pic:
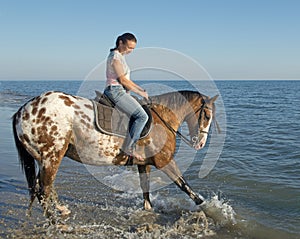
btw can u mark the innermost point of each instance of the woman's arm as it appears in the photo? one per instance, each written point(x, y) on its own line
point(127, 83)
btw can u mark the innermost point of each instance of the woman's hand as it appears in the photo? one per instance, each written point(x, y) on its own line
point(144, 94)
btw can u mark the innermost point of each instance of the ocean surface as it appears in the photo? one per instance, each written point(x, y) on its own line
point(256, 176)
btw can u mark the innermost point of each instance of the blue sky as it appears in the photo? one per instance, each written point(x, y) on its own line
point(231, 39)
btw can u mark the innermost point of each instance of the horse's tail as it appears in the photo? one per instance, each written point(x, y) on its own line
point(26, 160)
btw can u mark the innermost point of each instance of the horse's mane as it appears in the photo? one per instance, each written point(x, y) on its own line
point(176, 98)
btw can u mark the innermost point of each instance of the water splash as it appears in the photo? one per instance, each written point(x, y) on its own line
point(219, 210)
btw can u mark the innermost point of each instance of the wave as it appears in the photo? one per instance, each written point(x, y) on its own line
point(11, 98)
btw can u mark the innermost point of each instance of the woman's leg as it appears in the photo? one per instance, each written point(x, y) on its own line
point(126, 103)
point(139, 119)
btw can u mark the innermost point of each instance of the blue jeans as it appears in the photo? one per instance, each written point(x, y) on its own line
point(126, 103)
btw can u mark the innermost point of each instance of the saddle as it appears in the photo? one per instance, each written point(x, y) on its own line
point(112, 121)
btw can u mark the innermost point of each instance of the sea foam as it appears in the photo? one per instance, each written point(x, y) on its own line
point(219, 210)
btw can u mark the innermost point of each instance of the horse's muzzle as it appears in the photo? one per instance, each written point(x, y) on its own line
point(199, 144)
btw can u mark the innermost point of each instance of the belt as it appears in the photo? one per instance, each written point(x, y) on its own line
point(112, 86)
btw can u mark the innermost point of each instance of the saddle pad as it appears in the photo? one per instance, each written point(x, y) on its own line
point(111, 121)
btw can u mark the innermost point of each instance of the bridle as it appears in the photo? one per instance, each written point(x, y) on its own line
point(195, 139)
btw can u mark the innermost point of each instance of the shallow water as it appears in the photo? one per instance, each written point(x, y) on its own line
point(256, 178)
point(99, 211)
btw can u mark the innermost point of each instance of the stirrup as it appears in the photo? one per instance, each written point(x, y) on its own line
point(129, 161)
point(138, 157)
point(128, 158)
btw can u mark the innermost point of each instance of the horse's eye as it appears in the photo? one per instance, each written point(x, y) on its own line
point(207, 116)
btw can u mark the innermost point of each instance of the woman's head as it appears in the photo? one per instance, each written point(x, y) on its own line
point(125, 43)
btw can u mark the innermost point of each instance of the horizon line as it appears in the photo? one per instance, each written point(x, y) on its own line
point(220, 79)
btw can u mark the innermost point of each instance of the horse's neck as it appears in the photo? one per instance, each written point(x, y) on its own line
point(179, 104)
point(174, 115)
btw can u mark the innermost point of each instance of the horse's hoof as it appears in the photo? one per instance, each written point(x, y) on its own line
point(147, 206)
point(28, 213)
point(64, 211)
point(63, 228)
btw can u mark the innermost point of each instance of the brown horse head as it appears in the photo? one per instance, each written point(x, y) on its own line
point(199, 121)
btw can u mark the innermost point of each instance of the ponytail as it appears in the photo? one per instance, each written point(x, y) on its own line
point(124, 38)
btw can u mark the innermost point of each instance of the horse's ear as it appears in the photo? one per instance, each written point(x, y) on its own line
point(213, 99)
point(98, 93)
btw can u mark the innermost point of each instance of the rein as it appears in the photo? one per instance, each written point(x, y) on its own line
point(192, 142)
point(184, 138)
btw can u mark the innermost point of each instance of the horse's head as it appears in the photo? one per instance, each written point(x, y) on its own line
point(199, 123)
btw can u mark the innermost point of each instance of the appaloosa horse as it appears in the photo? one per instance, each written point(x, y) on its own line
point(55, 124)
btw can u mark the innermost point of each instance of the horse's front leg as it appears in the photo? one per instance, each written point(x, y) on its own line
point(183, 185)
point(144, 172)
point(172, 170)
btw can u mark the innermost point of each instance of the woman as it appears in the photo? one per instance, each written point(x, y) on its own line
point(118, 85)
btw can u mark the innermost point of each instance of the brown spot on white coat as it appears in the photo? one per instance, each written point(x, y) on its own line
point(67, 100)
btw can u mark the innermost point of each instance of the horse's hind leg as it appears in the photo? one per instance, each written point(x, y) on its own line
point(47, 194)
point(144, 172)
point(47, 178)
point(64, 211)
point(35, 192)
